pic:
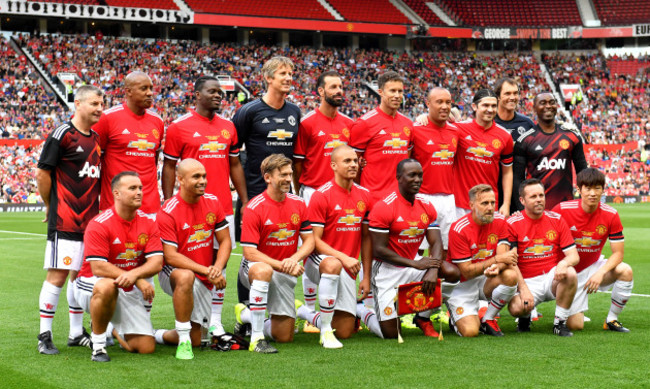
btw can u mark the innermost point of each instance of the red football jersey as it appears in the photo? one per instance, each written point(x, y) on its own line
point(212, 142)
point(469, 241)
point(274, 227)
point(540, 242)
point(130, 142)
point(405, 223)
point(477, 157)
point(317, 137)
point(384, 141)
point(590, 230)
point(340, 213)
point(125, 244)
point(435, 147)
point(189, 228)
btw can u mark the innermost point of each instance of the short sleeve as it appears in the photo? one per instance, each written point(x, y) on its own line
point(96, 242)
point(379, 218)
point(50, 155)
point(234, 141)
point(251, 227)
point(173, 143)
point(102, 129)
point(566, 239)
point(317, 209)
point(459, 250)
point(359, 136)
point(300, 148)
point(616, 229)
point(305, 225)
point(167, 229)
point(507, 152)
point(154, 245)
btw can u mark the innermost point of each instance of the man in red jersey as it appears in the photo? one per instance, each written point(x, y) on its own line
point(122, 249)
point(189, 223)
point(383, 137)
point(338, 214)
point(130, 135)
point(478, 245)
point(592, 223)
point(546, 258)
point(321, 131)
point(482, 145)
point(272, 260)
point(204, 135)
point(397, 225)
point(68, 181)
point(434, 146)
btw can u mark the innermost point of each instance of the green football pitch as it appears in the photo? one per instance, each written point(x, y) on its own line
point(592, 358)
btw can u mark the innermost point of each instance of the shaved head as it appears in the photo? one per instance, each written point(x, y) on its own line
point(436, 91)
point(340, 150)
point(134, 78)
point(187, 165)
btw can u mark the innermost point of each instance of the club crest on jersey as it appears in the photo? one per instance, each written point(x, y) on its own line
point(295, 219)
point(425, 218)
point(361, 206)
point(350, 219)
point(538, 249)
point(482, 254)
point(564, 144)
point(395, 143)
point(407, 131)
point(587, 241)
point(346, 132)
point(212, 147)
point(551, 235)
point(282, 234)
point(155, 133)
point(443, 154)
point(291, 120)
point(225, 134)
point(280, 134)
point(199, 236)
point(210, 218)
point(492, 238)
point(601, 229)
point(141, 144)
point(496, 144)
point(143, 239)
point(480, 151)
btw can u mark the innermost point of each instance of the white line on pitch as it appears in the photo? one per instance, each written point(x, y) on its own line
point(21, 233)
point(633, 294)
point(34, 238)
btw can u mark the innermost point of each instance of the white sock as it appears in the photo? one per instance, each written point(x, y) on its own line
point(258, 296)
point(561, 314)
point(47, 303)
point(620, 294)
point(217, 307)
point(76, 313)
point(158, 336)
point(99, 341)
point(183, 330)
point(501, 295)
point(309, 291)
point(245, 315)
point(327, 291)
point(109, 330)
point(369, 319)
point(312, 317)
point(267, 330)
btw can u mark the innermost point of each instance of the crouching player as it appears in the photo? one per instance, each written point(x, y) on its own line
point(591, 223)
point(478, 245)
point(189, 223)
point(122, 249)
point(272, 260)
point(397, 225)
point(337, 212)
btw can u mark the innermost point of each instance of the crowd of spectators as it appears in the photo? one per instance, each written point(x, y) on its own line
point(627, 170)
point(612, 110)
point(17, 181)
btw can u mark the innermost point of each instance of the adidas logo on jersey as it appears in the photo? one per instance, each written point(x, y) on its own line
point(573, 228)
point(268, 222)
point(337, 208)
point(80, 149)
point(430, 142)
point(117, 241)
point(539, 148)
point(473, 246)
point(468, 137)
point(196, 135)
point(525, 239)
point(265, 121)
point(399, 219)
point(321, 133)
point(125, 132)
point(186, 226)
point(382, 132)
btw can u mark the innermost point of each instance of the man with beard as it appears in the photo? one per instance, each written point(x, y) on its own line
point(548, 152)
point(321, 131)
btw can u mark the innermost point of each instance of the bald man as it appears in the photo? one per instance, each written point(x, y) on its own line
point(189, 222)
point(130, 136)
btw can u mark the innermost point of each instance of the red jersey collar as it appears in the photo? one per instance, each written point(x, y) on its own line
point(481, 127)
point(133, 115)
point(201, 117)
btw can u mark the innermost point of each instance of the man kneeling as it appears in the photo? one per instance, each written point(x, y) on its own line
point(122, 249)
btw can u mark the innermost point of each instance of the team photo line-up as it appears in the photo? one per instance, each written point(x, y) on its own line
point(476, 210)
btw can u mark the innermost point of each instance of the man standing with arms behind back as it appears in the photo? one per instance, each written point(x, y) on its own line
point(68, 181)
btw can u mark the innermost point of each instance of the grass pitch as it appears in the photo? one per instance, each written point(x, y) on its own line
point(592, 358)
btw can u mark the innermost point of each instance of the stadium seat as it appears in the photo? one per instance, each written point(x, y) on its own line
point(304, 9)
point(622, 12)
point(378, 11)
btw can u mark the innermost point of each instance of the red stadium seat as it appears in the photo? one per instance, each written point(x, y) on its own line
point(304, 9)
point(420, 7)
point(622, 12)
point(378, 11)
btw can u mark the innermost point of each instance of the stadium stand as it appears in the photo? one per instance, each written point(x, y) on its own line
point(425, 12)
point(621, 12)
point(508, 13)
point(159, 4)
point(17, 180)
point(377, 11)
point(304, 9)
point(628, 67)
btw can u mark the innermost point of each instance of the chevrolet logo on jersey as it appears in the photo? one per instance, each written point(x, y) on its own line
point(350, 219)
point(282, 234)
point(538, 249)
point(213, 147)
point(334, 144)
point(280, 134)
point(586, 241)
point(480, 151)
point(129, 255)
point(395, 143)
point(482, 254)
point(199, 236)
point(443, 154)
point(142, 145)
point(412, 232)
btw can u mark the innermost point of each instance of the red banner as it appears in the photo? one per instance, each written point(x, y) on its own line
point(411, 299)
